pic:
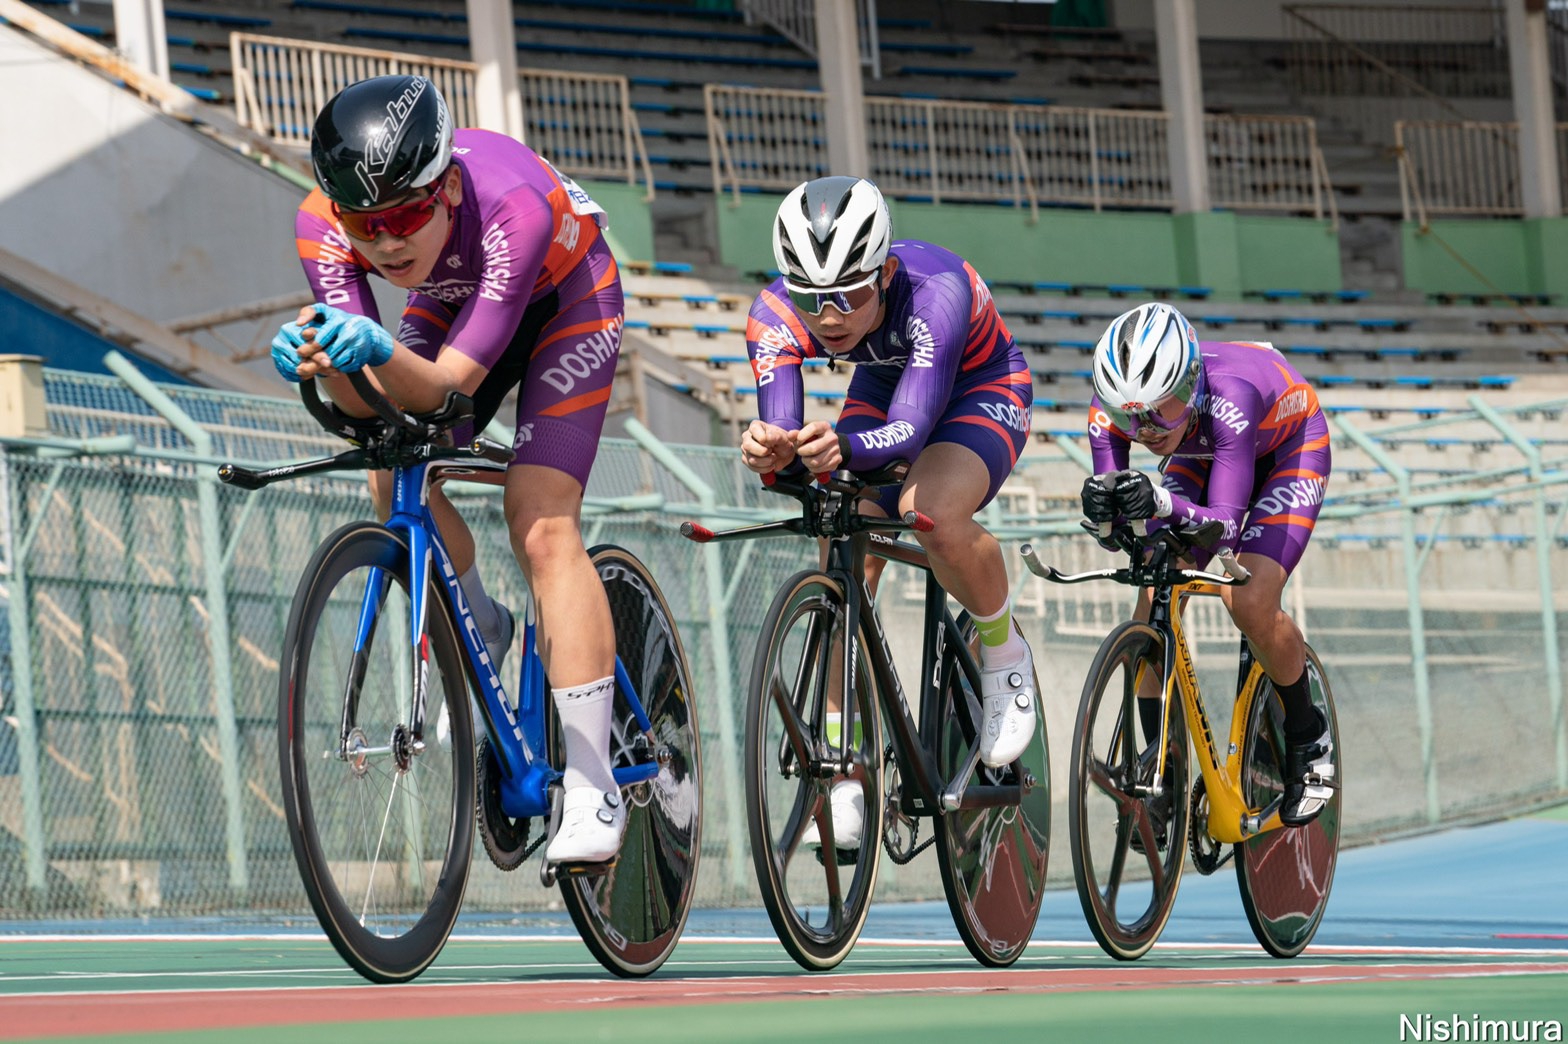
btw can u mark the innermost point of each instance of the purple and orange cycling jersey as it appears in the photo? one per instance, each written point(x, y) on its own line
point(525, 286)
point(1259, 453)
point(941, 343)
point(520, 231)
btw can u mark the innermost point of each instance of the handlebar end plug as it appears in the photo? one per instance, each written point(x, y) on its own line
point(699, 534)
point(918, 522)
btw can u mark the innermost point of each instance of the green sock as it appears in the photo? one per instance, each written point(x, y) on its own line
point(835, 730)
point(995, 630)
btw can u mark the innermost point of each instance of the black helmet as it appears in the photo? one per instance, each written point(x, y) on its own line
point(378, 138)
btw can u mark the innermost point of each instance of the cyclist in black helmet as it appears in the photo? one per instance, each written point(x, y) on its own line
point(510, 285)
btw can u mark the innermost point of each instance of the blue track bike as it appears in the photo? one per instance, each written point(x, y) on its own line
point(385, 772)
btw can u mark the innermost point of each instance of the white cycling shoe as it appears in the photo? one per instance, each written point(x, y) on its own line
point(593, 822)
point(847, 806)
point(1009, 711)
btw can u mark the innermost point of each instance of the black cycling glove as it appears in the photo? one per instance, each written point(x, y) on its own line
point(1140, 498)
point(1099, 502)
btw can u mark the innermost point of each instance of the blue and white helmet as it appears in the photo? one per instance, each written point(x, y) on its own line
point(1145, 355)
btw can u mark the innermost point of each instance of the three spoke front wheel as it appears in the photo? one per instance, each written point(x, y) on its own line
point(816, 867)
point(1128, 842)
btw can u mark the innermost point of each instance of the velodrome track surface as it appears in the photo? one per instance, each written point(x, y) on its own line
point(1464, 925)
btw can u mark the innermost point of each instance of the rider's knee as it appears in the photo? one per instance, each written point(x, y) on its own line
point(542, 543)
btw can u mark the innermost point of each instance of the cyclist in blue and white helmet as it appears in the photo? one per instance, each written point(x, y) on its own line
point(1245, 445)
point(1148, 375)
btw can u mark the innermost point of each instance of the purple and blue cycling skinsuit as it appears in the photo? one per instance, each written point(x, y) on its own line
point(1258, 461)
point(525, 286)
point(942, 367)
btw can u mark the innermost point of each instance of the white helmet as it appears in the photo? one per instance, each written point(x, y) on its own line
point(1145, 355)
point(831, 234)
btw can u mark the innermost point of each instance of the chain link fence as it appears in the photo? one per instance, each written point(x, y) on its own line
point(144, 606)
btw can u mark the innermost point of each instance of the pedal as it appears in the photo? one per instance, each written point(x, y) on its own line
point(586, 869)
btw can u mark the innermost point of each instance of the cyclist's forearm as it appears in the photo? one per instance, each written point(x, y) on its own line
point(415, 383)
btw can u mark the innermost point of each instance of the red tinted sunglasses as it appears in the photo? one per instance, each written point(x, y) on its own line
point(400, 221)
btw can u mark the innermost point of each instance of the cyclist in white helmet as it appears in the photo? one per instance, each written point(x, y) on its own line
point(938, 382)
point(1245, 443)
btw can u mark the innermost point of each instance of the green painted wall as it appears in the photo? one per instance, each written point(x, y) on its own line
point(1287, 253)
point(1484, 256)
point(631, 223)
point(1227, 252)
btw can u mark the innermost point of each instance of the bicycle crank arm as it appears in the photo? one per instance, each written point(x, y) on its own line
point(1265, 820)
point(953, 796)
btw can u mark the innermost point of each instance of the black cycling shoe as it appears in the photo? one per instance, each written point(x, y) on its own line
point(1309, 776)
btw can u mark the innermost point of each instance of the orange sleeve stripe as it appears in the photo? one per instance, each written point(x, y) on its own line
point(424, 313)
point(1300, 473)
point(577, 402)
point(610, 276)
point(857, 408)
point(787, 312)
point(1185, 471)
point(986, 422)
point(1285, 520)
point(569, 331)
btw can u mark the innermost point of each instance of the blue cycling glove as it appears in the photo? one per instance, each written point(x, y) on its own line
point(352, 341)
point(285, 351)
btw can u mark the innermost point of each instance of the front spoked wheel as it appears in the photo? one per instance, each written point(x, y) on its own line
point(1285, 874)
point(1127, 844)
point(381, 818)
point(632, 916)
point(993, 860)
point(817, 895)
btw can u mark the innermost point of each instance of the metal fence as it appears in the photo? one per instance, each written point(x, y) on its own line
point(1029, 155)
point(1369, 65)
point(582, 122)
point(145, 604)
point(796, 21)
point(1467, 167)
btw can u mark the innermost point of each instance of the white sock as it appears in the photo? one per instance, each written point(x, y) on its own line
point(480, 604)
point(1011, 652)
point(585, 712)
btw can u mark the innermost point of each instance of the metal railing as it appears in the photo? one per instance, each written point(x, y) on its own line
point(796, 21)
point(139, 672)
point(582, 122)
point(1028, 154)
point(1370, 65)
point(1463, 167)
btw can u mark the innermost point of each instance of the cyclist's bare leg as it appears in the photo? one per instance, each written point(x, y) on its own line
point(1275, 639)
point(543, 510)
point(947, 483)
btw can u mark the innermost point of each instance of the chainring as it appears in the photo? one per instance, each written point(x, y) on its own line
point(1208, 855)
point(506, 839)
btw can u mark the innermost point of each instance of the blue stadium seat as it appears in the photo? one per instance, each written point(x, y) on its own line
point(935, 70)
point(217, 18)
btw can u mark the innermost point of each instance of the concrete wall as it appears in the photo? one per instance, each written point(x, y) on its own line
point(1229, 253)
point(100, 188)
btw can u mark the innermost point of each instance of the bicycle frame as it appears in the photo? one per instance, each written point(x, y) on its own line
point(1230, 820)
point(405, 446)
point(517, 737)
point(850, 537)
